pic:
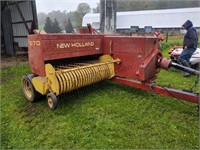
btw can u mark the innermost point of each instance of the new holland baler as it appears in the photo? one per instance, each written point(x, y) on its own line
point(61, 63)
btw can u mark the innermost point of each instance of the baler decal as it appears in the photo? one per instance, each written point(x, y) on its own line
point(77, 44)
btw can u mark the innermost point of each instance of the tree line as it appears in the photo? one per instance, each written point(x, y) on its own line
point(54, 27)
point(134, 5)
point(56, 21)
point(73, 20)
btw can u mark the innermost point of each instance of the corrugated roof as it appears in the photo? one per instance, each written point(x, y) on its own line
point(161, 11)
point(166, 18)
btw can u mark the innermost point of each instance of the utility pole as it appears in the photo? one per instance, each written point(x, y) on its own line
point(108, 17)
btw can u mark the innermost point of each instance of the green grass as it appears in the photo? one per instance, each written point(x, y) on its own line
point(103, 116)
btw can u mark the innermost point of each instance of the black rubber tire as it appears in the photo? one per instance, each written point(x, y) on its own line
point(28, 89)
point(52, 101)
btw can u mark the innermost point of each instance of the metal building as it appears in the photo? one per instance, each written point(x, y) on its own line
point(18, 19)
point(157, 19)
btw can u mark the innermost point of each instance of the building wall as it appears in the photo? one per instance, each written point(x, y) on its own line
point(23, 21)
point(164, 19)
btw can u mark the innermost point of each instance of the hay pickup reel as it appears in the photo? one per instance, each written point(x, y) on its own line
point(61, 63)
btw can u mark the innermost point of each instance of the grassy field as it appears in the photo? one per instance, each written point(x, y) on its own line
point(102, 116)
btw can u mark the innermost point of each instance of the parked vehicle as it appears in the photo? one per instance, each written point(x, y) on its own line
point(194, 60)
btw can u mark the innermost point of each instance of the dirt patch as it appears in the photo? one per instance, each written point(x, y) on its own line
point(13, 61)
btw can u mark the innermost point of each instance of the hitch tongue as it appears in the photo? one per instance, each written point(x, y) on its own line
point(167, 63)
point(184, 68)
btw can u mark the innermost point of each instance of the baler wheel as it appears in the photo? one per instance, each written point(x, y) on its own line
point(52, 101)
point(28, 89)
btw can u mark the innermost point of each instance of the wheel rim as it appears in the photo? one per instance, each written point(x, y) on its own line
point(27, 89)
point(50, 102)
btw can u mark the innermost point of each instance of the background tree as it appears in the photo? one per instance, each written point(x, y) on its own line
point(56, 26)
point(97, 9)
point(59, 15)
point(125, 5)
point(48, 25)
point(41, 19)
point(68, 26)
point(82, 9)
point(52, 27)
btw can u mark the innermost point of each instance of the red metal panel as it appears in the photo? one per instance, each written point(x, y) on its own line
point(58, 49)
point(44, 47)
point(136, 55)
point(35, 55)
point(151, 44)
point(148, 68)
point(130, 44)
point(129, 65)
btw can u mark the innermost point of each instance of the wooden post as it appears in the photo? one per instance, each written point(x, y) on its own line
point(108, 16)
point(7, 31)
point(167, 36)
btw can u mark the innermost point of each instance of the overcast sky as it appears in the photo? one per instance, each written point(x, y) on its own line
point(68, 5)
